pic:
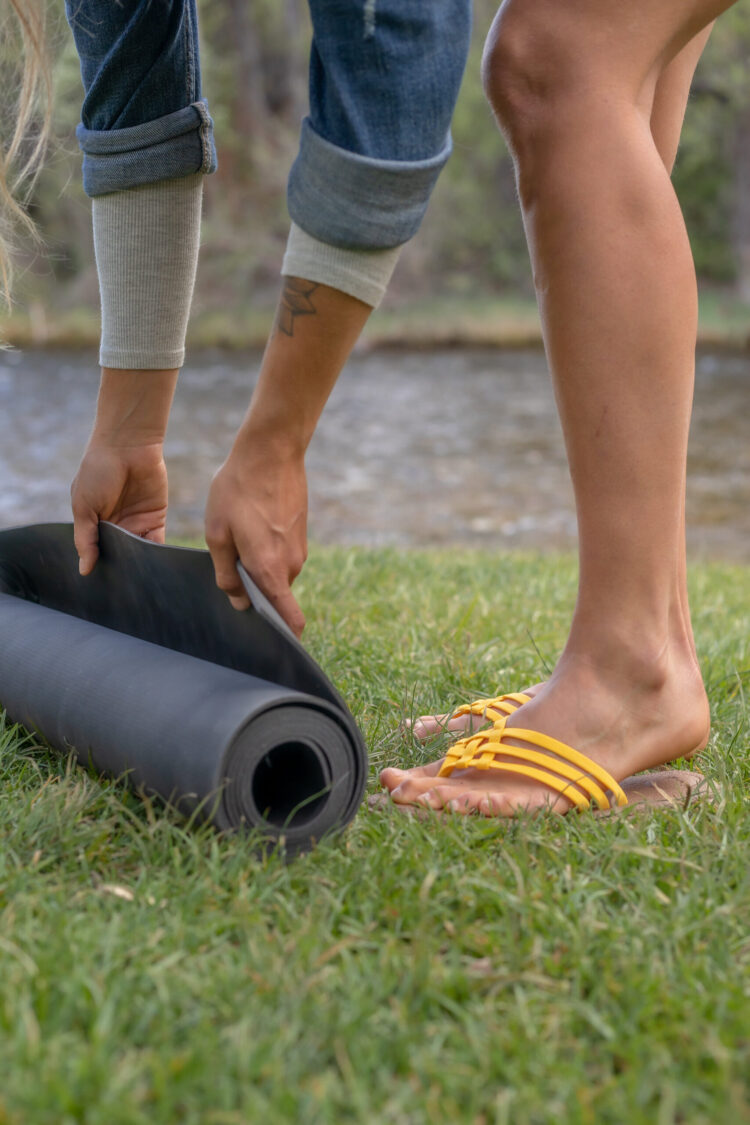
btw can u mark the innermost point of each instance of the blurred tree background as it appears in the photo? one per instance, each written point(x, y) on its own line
point(255, 78)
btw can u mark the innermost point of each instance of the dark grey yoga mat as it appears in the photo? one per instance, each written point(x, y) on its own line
point(144, 668)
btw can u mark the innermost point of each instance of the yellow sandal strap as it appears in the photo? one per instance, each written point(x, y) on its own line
point(546, 742)
point(479, 751)
point(486, 759)
point(500, 706)
point(549, 779)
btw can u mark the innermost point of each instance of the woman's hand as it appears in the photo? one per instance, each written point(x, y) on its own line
point(257, 506)
point(257, 514)
point(122, 477)
point(126, 485)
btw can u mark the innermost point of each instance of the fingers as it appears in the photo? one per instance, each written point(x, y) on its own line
point(225, 559)
point(86, 538)
point(274, 583)
point(158, 535)
point(288, 606)
point(271, 580)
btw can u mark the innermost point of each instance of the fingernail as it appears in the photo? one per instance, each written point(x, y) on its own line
point(239, 603)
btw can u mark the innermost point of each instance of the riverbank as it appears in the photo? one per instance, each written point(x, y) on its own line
point(437, 322)
point(408, 452)
point(460, 971)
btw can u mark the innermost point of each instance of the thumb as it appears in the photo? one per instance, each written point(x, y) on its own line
point(86, 537)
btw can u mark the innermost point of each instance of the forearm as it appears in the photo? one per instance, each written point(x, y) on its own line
point(257, 506)
point(133, 407)
point(315, 330)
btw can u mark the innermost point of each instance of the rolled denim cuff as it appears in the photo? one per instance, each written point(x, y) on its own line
point(167, 148)
point(359, 202)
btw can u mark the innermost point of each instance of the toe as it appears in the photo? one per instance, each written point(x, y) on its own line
point(493, 804)
point(411, 788)
point(392, 776)
point(466, 804)
point(424, 793)
point(452, 798)
point(432, 799)
point(426, 725)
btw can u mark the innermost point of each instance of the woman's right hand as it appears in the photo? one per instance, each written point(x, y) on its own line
point(122, 477)
point(125, 485)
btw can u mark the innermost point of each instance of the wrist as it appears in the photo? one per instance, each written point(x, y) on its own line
point(133, 407)
point(278, 437)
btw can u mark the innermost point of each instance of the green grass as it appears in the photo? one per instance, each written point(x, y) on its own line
point(560, 970)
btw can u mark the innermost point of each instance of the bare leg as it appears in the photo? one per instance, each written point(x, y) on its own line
point(573, 84)
point(667, 116)
point(671, 98)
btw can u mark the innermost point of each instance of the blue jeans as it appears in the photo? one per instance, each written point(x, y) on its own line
point(384, 77)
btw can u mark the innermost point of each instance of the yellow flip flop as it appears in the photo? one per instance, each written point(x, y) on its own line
point(492, 710)
point(571, 773)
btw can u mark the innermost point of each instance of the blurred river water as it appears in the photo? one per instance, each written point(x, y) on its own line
point(414, 449)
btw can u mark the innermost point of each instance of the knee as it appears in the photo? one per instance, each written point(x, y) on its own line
point(524, 69)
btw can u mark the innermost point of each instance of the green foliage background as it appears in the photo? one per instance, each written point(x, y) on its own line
point(255, 77)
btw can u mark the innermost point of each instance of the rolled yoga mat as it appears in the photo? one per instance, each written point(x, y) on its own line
point(143, 668)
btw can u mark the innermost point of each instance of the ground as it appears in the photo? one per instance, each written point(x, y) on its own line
point(465, 971)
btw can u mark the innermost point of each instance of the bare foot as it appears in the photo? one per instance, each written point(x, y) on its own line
point(427, 725)
point(633, 717)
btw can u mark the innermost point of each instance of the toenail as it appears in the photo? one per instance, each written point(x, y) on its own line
point(431, 800)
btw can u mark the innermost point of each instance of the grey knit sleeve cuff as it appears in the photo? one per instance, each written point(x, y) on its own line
point(364, 274)
point(146, 241)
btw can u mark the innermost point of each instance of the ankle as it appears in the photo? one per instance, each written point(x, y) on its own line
point(643, 660)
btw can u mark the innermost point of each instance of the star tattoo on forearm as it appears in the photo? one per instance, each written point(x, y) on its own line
point(295, 301)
